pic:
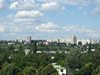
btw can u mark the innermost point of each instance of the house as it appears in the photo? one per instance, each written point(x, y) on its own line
point(61, 70)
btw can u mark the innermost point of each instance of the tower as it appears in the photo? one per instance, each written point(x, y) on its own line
point(30, 39)
point(91, 41)
point(74, 39)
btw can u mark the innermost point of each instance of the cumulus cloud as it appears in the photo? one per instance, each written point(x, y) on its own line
point(47, 27)
point(23, 20)
point(49, 6)
point(14, 5)
point(30, 14)
point(28, 11)
point(71, 2)
point(24, 4)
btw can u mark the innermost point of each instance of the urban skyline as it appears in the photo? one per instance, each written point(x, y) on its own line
point(69, 40)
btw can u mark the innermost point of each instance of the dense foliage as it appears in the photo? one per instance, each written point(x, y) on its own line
point(78, 59)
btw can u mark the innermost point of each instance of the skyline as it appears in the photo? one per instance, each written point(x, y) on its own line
point(46, 19)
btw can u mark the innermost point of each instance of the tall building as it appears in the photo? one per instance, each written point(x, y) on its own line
point(29, 39)
point(91, 41)
point(58, 40)
point(74, 39)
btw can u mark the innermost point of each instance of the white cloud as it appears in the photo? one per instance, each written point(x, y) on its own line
point(13, 29)
point(49, 6)
point(47, 27)
point(14, 5)
point(24, 4)
point(1, 29)
point(30, 14)
point(76, 28)
point(17, 29)
point(78, 2)
point(23, 20)
point(72, 2)
point(46, 4)
point(82, 31)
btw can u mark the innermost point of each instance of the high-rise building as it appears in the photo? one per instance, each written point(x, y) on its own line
point(29, 39)
point(91, 41)
point(58, 40)
point(74, 39)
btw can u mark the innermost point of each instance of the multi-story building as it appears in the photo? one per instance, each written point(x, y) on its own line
point(74, 39)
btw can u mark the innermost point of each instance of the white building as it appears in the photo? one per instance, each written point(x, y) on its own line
point(29, 38)
point(27, 51)
point(61, 70)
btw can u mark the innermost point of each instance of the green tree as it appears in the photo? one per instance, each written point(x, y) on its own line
point(28, 70)
point(87, 69)
point(96, 71)
point(48, 70)
point(80, 43)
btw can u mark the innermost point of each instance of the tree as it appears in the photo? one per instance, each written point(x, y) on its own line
point(74, 59)
point(28, 70)
point(96, 71)
point(33, 47)
point(21, 48)
point(49, 70)
point(11, 47)
point(87, 69)
point(80, 43)
point(8, 69)
point(60, 59)
point(89, 49)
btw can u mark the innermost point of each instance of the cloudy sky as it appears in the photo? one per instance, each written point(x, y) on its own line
point(49, 19)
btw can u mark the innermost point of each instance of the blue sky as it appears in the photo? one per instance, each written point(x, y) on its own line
point(49, 19)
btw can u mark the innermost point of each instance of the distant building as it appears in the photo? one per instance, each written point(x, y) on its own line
point(61, 70)
point(29, 39)
point(94, 41)
point(58, 40)
point(99, 41)
point(74, 39)
point(27, 51)
point(91, 41)
point(84, 41)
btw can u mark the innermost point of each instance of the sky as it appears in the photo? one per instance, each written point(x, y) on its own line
point(49, 19)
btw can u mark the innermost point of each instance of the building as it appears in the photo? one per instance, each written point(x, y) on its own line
point(29, 39)
point(74, 40)
point(61, 70)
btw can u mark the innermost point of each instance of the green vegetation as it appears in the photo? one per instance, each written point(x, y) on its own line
point(78, 59)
